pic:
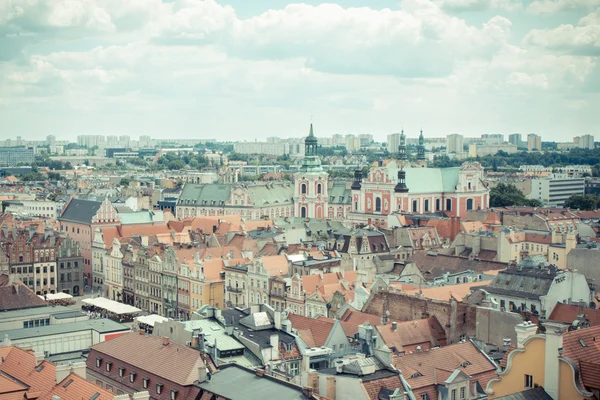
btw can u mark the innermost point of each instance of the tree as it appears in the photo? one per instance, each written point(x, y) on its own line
point(32, 176)
point(176, 164)
point(506, 195)
point(583, 202)
point(124, 182)
point(54, 176)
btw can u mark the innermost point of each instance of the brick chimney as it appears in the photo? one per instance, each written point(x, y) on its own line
point(165, 341)
point(330, 388)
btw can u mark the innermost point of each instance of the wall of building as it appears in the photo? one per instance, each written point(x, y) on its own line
point(493, 326)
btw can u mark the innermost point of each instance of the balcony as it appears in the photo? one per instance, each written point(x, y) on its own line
point(232, 289)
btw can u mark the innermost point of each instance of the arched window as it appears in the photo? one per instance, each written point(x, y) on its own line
point(469, 185)
point(303, 188)
point(415, 206)
point(319, 188)
point(426, 206)
point(303, 212)
point(378, 204)
point(448, 204)
point(469, 204)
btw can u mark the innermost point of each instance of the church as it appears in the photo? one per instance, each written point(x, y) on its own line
point(390, 186)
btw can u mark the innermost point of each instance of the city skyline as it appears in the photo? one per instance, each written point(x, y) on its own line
point(250, 70)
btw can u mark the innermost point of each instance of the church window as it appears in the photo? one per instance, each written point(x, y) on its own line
point(303, 188)
point(378, 204)
point(426, 206)
point(319, 188)
point(469, 204)
point(438, 205)
point(303, 212)
point(448, 204)
point(415, 206)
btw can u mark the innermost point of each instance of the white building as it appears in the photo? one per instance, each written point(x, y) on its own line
point(534, 142)
point(393, 141)
point(584, 142)
point(454, 143)
point(491, 149)
point(537, 287)
point(553, 192)
point(275, 149)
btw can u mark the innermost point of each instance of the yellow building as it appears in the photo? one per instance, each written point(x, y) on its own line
point(563, 363)
point(553, 246)
point(207, 284)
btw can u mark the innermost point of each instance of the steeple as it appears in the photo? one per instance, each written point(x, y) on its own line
point(402, 147)
point(421, 147)
point(401, 185)
point(311, 161)
point(357, 179)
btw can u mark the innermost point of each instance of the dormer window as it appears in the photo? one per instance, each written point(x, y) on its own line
point(464, 364)
point(132, 377)
point(98, 362)
point(108, 365)
point(146, 382)
point(159, 387)
point(121, 371)
point(174, 394)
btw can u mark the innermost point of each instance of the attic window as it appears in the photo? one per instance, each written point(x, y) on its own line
point(174, 394)
point(464, 364)
point(40, 368)
point(416, 375)
point(132, 377)
point(121, 371)
point(95, 396)
point(582, 343)
point(67, 383)
point(98, 362)
point(108, 364)
point(146, 381)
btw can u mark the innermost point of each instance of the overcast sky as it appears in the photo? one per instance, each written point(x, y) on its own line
point(248, 69)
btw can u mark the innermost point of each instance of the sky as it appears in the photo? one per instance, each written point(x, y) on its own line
point(250, 69)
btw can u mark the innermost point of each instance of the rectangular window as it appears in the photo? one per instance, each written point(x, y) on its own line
point(462, 393)
point(528, 381)
point(108, 364)
point(121, 371)
point(98, 362)
point(159, 388)
point(453, 394)
point(146, 381)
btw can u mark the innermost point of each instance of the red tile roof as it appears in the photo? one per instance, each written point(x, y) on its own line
point(315, 331)
point(149, 354)
point(426, 333)
point(373, 387)
point(352, 319)
point(568, 313)
point(77, 389)
point(21, 365)
point(424, 369)
point(15, 295)
point(583, 347)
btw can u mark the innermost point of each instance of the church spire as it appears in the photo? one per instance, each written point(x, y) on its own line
point(421, 147)
point(311, 160)
point(402, 147)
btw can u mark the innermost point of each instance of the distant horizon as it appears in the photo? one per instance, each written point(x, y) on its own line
point(235, 69)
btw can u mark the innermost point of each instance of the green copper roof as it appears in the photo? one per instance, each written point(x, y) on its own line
point(426, 180)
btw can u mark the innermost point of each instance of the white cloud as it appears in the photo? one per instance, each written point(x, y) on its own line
point(554, 6)
point(153, 66)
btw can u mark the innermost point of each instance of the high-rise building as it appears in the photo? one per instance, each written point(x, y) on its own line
point(393, 141)
point(515, 138)
point(534, 142)
point(493, 138)
point(365, 139)
point(352, 143)
point(554, 192)
point(584, 142)
point(13, 156)
point(454, 143)
point(50, 140)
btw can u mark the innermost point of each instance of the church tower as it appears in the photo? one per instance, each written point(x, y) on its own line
point(402, 161)
point(310, 183)
point(421, 160)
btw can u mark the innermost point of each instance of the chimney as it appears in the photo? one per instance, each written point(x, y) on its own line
point(62, 371)
point(165, 341)
point(274, 341)
point(79, 368)
point(260, 372)
point(195, 342)
point(55, 397)
point(145, 395)
point(394, 326)
point(277, 320)
point(384, 354)
point(313, 381)
point(330, 388)
point(144, 240)
point(202, 374)
point(524, 332)
point(339, 366)
point(554, 344)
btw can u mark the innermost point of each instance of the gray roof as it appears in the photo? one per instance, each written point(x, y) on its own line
point(218, 194)
point(29, 312)
point(235, 382)
point(69, 314)
point(103, 325)
point(532, 394)
point(339, 194)
point(527, 283)
point(80, 211)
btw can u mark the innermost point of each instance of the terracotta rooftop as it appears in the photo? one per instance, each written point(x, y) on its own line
point(149, 354)
point(276, 265)
point(373, 387)
point(568, 313)
point(425, 369)
point(426, 333)
point(457, 292)
point(583, 347)
point(74, 387)
point(352, 319)
point(15, 295)
point(21, 365)
point(313, 331)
